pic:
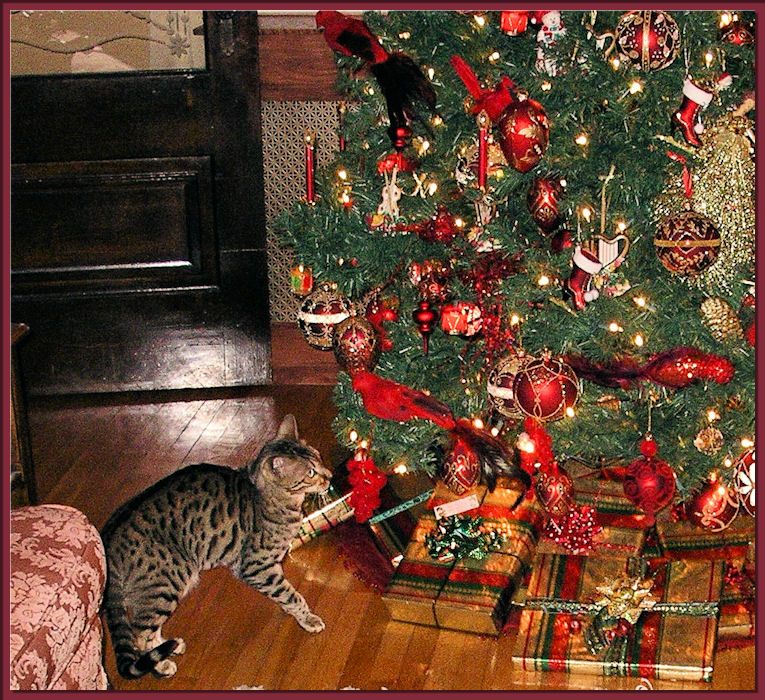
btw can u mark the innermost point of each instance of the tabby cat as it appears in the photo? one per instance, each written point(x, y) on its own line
point(201, 517)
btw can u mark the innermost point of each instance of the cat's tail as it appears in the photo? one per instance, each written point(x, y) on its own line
point(131, 662)
point(131, 665)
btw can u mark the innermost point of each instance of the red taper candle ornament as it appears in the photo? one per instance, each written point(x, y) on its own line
point(310, 166)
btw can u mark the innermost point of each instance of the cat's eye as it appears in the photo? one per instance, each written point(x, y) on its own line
point(311, 473)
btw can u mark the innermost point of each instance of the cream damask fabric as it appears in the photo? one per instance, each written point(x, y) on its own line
point(58, 573)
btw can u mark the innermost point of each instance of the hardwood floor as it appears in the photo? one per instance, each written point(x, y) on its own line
point(95, 452)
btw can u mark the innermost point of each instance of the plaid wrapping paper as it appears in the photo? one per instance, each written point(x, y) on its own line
point(661, 645)
point(683, 540)
point(322, 520)
point(471, 595)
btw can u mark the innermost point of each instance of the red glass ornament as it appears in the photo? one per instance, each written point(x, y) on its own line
point(461, 469)
point(649, 483)
point(542, 201)
point(545, 387)
point(378, 311)
point(425, 316)
point(714, 507)
point(461, 318)
point(684, 365)
point(356, 344)
point(736, 33)
point(648, 39)
point(561, 241)
point(687, 243)
point(743, 479)
point(439, 228)
point(555, 492)
point(524, 131)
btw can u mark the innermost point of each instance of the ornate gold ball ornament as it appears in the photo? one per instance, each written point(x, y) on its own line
point(648, 39)
point(687, 243)
point(721, 319)
point(723, 189)
point(709, 440)
point(320, 312)
point(499, 384)
point(356, 344)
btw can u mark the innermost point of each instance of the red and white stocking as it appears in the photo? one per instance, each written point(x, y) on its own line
point(579, 283)
point(695, 100)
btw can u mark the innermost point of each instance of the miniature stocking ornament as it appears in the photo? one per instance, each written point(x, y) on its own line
point(695, 100)
point(578, 285)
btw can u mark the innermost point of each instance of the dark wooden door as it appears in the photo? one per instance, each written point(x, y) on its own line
point(138, 244)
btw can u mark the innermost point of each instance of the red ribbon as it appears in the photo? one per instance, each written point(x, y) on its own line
point(495, 101)
point(687, 182)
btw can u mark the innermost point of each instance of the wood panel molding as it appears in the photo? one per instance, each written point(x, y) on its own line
point(296, 65)
point(113, 225)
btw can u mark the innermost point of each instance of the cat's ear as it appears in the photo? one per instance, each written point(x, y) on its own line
point(288, 429)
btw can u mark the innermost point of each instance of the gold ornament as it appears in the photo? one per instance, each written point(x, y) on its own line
point(626, 597)
point(609, 401)
point(723, 190)
point(709, 440)
point(721, 319)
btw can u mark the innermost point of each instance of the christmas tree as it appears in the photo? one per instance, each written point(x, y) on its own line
point(556, 223)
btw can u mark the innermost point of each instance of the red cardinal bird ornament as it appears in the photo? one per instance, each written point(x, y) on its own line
point(401, 80)
point(388, 400)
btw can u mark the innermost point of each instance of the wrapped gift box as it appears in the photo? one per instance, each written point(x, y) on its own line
point(681, 539)
point(324, 518)
point(663, 643)
point(471, 595)
point(738, 607)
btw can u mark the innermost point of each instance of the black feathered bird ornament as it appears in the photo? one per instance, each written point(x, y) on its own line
point(401, 80)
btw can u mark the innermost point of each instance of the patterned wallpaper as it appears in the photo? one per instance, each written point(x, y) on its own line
point(284, 125)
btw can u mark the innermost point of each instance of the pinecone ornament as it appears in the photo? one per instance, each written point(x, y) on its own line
point(721, 319)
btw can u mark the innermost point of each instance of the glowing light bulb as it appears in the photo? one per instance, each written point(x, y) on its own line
point(400, 468)
point(437, 121)
point(432, 188)
point(621, 225)
point(708, 58)
point(340, 261)
point(431, 73)
point(582, 139)
point(615, 63)
point(479, 20)
point(364, 444)
point(614, 327)
point(494, 56)
point(499, 173)
point(639, 340)
point(404, 35)
point(459, 223)
point(570, 412)
point(370, 90)
point(342, 174)
point(546, 86)
point(525, 444)
point(728, 462)
point(587, 213)
point(746, 443)
point(424, 146)
point(563, 182)
point(478, 423)
point(543, 280)
point(353, 436)
point(636, 86)
point(639, 301)
point(725, 19)
point(712, 415)
point(494, 431)
point(515, 319)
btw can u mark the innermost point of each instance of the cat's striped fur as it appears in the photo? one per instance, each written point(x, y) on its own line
point(198, 518)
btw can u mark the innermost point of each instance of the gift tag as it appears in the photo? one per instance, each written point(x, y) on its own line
point(456, 507)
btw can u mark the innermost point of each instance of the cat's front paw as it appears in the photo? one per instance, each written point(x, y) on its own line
point(165, 668)
point(310, 622)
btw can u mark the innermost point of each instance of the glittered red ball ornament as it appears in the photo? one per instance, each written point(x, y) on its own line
point(356, 344)
point(545, 387)
point(648, 39)
point(440, 228)
point(542, 199)
point(687, 243)
point(714, 507)
point(555, 491)
point(743, 479)
point(461, 469)
point(524, 131)
point(320, 312)
point(561, 240)
point(649, 483)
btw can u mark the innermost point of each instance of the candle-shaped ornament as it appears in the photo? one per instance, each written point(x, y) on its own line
point(483, 140)
point(310, 186)
point(301, 279)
